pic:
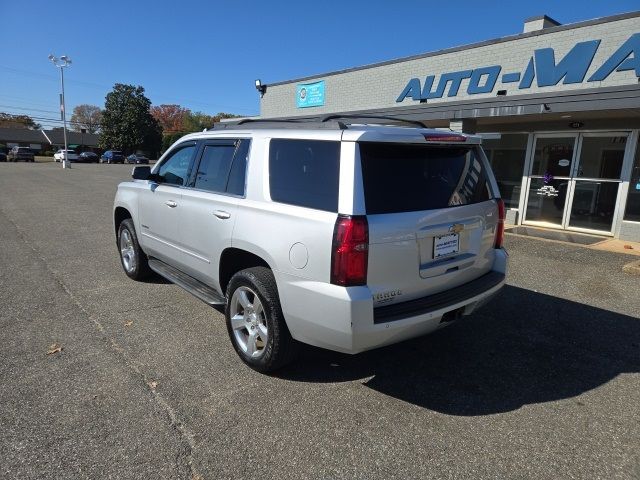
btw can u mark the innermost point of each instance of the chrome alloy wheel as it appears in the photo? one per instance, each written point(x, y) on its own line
point(127, 251)
point(249, 322)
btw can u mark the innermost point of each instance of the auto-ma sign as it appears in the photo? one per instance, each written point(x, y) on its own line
point(542, 67)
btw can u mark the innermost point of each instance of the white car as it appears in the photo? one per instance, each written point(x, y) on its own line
point(343, 236)
point(59, 155)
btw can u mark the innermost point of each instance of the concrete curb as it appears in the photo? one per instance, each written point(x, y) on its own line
point(632, 268)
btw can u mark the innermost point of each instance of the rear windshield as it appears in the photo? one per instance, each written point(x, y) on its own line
point(408, 178)
point(24, 149)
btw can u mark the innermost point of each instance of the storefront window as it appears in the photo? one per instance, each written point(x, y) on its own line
point(506, 155)
point(632, 211)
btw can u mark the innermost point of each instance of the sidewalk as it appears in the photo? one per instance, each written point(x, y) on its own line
point(617, 246)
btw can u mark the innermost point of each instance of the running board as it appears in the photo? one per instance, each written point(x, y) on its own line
point(190, 284)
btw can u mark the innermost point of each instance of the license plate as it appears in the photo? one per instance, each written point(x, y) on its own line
point(446, 245)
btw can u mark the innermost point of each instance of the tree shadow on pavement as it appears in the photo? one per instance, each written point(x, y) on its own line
point(522, 348)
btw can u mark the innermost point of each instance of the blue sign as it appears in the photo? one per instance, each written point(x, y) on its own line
point(542, 67)
point(310, 94)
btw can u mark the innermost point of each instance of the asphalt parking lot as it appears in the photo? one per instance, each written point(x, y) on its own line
point(542, 383)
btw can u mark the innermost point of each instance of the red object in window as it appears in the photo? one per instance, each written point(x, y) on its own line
point(350, 251)
point(500, 226)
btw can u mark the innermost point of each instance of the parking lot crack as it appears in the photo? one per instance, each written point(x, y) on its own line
point(184, 457)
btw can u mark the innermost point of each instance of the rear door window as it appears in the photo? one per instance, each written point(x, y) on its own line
point(305, 173)
point(222, 166)
point(237, 175)
point(408, 178)
point(214, 166)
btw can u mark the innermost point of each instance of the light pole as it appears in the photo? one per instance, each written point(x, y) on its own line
point(62, 62)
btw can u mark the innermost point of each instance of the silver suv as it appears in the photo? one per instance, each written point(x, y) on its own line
point(340, 235)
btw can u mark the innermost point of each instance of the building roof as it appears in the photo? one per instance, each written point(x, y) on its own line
point(54, 137)
point(57, 137)
point(21, 135)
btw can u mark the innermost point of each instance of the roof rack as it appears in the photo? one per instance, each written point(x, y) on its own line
point(375, 117)
point(328, 122)
point(278, 123)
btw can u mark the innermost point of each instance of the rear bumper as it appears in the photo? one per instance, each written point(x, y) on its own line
point(343, 319)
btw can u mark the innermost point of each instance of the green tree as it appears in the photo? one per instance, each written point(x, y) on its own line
point(198, 121)
point(127, 123)
point(170, 139)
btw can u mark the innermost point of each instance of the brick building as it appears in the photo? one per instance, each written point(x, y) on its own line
point(558, 107)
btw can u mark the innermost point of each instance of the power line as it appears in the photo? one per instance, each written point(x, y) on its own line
point(97, 125)
point(56, 120)
point(26, 101)
point(28, 109)
point(54, 78)
point(243, 110)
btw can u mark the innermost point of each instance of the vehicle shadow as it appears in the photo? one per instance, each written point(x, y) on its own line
point(155, 279)
point(522, 348)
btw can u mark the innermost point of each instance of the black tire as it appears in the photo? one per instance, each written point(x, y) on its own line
point(281, 348)
point(141, 269)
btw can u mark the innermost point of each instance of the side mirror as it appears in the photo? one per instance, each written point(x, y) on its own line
point(141, 172)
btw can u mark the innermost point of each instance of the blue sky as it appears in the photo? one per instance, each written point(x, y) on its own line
point(205, 55)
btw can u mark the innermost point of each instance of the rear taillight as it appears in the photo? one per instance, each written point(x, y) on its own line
point(350, 251)
point(500, 226)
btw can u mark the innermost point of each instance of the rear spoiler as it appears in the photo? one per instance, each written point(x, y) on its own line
point(411, 135)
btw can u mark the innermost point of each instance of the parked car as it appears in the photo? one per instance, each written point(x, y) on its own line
point(20, 154)
point(137, 158)
point(59, 155)
point(112, 156)
point(88, 157)
point(343, 236)
point(3, 157)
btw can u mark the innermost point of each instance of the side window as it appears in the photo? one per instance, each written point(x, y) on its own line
point(174, 170)
point(236, 182)
point(213, 168)
point(305, 173)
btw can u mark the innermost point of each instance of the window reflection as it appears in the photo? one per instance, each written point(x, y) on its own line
point(507, 155)
point(632, 212)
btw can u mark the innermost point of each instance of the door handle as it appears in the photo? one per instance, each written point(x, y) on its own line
point(171, 204)
point(222, 214)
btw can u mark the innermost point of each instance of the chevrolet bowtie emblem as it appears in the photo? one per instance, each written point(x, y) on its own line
point(456, 228)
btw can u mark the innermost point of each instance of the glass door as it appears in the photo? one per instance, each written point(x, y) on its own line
point(575, 180)
point(595, 182)
point(550, 179)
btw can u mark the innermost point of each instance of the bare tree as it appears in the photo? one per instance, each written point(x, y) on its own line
point(86, 116)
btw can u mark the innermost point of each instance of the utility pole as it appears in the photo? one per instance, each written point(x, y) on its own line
point(62, 62)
